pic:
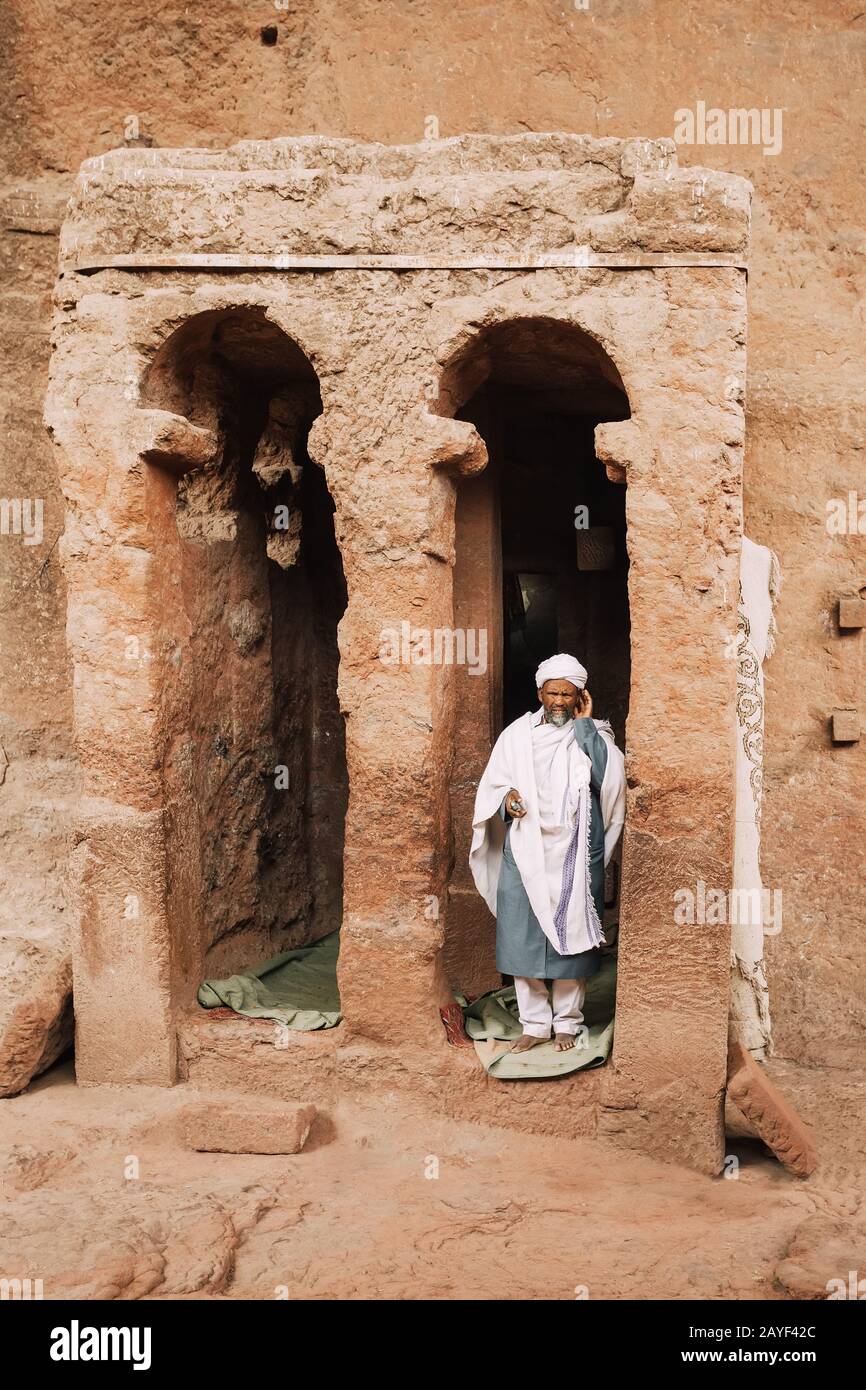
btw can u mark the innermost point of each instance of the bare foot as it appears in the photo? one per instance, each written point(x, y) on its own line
point(563, 1041)
point(526, 1041)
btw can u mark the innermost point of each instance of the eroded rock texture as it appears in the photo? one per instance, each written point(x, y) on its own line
point(36, 1022)
point(211, 80)
point(335, 427)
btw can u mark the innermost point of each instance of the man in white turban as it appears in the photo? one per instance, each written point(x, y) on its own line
point(548, 813)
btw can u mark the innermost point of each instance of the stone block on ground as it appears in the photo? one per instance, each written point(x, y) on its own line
point(238, 1124)
point(36, 1019)
point(36, 1022)
point(772, 1118)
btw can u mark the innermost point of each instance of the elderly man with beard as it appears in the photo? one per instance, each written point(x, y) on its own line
point(548, 813)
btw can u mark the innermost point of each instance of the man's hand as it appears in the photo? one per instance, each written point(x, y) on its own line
point(514, 804)
point(585, 710)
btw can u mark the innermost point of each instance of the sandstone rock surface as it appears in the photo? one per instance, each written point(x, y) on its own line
point(771, 1116)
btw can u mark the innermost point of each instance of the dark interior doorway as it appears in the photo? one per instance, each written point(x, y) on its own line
point(564, 556)
point(250, 589)
point(542, 564)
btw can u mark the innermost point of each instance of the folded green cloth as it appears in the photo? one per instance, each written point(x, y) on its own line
point(297, 988)
point(492, 1023)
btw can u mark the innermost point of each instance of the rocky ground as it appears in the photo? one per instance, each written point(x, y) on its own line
point(101, 1200)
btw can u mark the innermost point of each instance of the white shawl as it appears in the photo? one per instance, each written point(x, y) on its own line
point(554, 865)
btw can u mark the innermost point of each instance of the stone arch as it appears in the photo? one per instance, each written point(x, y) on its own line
point(541, 350)
point(541, 560)
point(245, 596)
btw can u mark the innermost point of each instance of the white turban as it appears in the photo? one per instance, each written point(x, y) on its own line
point(561, 667)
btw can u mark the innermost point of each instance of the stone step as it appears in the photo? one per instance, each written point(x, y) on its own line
point(233, 1122)
point(222, 1051)
point(257, 1057)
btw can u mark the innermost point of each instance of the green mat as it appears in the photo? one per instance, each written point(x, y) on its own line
point(493, 1025)
point(297, 988)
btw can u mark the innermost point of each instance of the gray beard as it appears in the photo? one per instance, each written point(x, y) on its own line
point(557, 717)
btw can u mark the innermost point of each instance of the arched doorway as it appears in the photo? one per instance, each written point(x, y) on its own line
point(247, 593)
point(541, 565)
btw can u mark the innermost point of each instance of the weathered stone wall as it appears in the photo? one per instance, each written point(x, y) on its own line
point(659, 350)
point(75, 75)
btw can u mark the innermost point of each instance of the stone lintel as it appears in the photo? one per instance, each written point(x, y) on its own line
point(526, 199)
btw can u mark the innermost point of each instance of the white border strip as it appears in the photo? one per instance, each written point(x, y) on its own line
point(552, 260)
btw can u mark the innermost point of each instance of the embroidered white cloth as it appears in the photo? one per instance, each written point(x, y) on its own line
point(760, 581)
point(550, 843)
